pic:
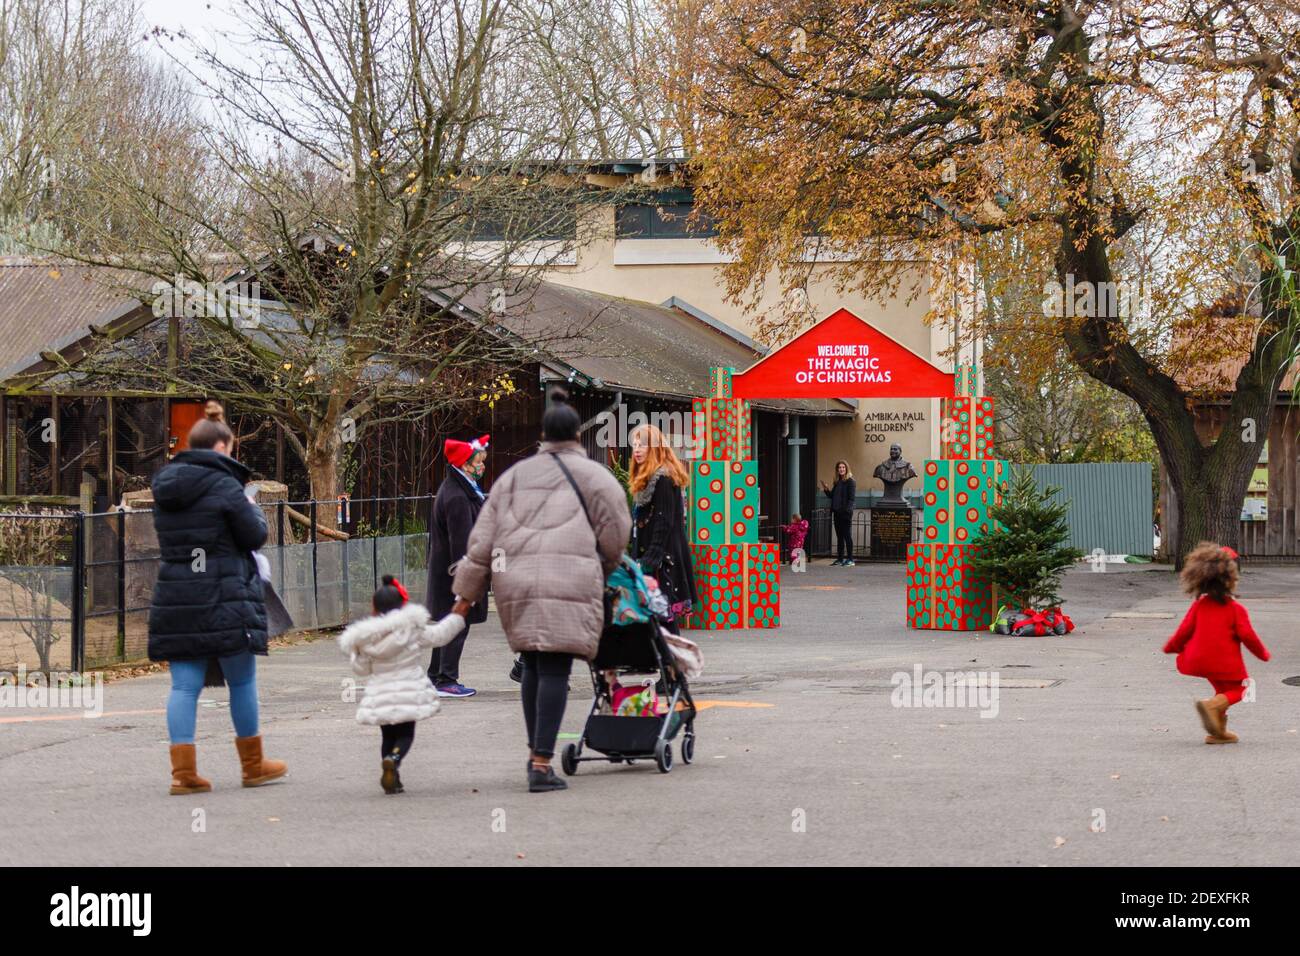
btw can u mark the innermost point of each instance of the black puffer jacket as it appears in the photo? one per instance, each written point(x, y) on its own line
point(211, 607)
point(659, 541)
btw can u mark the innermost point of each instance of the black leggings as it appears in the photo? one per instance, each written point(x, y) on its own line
point(545, 692)
point(397, 739)
point(844, 533)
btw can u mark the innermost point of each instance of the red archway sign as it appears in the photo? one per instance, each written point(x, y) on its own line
point(842, 356)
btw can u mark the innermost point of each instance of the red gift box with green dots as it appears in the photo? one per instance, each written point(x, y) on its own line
point(722, 428)
point(943, 593)
point(967, 429)
point(738, 586)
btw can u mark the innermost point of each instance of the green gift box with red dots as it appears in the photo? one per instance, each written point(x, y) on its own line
point(957, 496)
point(739, 585)
point(724, 502)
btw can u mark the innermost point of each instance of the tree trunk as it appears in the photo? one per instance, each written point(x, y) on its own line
point(1209, 481)
point(323, 472)
point(1209, 509)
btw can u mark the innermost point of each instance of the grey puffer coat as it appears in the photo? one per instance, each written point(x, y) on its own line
point(546, 562)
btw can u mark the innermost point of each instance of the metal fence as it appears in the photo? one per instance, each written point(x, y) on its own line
point(1110, 504)
point(75, 587)
point(821, 537)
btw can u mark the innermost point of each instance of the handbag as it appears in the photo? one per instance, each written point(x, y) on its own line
point(606, 592)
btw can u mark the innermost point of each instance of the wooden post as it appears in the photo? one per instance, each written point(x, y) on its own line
point(54, 450)
point(4, 446)
point(112, 451)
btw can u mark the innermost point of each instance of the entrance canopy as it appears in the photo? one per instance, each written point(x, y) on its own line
point(842, 356)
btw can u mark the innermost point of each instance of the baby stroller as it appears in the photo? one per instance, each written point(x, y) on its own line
point(634, 643)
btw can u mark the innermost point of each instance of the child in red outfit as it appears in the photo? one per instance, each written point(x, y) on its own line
point(1208, 642)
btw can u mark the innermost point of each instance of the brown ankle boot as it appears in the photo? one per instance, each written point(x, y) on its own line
point(257, 769)
point(1212, 712)
point(184, 777)
point(1226, 736)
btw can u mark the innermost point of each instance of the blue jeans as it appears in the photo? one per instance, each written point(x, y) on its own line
point(187, 682)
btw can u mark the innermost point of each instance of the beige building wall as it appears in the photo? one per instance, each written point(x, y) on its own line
point(653, 270)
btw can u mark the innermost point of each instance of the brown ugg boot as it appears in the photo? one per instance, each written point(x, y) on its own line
point(184, 777)
point(1226, 736)
point(1211, 712)
point(257, 769)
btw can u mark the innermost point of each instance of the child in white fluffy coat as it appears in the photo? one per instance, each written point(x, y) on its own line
point(391, 649)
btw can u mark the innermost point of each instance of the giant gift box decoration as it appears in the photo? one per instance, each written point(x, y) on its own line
point(724, 502)
point(739, 585)
point(959, 489)
point(737, 579)
point(942, 592)
point(967, 419)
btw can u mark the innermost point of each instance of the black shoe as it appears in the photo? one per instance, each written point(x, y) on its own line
point(540, 781)
point(517, 670)
point(391, 780)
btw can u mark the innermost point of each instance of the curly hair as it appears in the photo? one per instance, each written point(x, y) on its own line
point(1210, 569)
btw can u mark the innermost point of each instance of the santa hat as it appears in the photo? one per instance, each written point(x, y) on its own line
point(459, 452)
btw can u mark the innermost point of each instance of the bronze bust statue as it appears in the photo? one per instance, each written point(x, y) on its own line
point(894, 472)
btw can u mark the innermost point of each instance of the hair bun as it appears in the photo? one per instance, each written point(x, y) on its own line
point(389, 580)
point(559, 396)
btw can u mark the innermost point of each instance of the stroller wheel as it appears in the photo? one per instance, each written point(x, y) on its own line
point(569, 760)
point(664, 756)
point(688, 748)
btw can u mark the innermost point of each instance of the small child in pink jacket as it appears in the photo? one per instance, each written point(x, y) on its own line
point(796, 532)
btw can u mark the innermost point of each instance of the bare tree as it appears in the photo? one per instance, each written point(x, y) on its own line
point(31, 545)
point(378, 179)
point(74, 84)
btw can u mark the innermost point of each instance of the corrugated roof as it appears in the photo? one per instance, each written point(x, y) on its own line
point(47, 305)
point(637, 346)
point(624, 344)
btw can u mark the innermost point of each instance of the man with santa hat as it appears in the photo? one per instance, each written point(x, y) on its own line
point(459, 500)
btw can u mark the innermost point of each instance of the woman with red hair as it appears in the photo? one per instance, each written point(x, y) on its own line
point(659, 543)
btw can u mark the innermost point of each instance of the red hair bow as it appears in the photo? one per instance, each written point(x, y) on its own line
point(1229, 552)
point(401, 590)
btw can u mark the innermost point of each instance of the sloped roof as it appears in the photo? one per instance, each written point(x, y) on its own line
point(623, 344)
point(636, 346)
point(46, 306)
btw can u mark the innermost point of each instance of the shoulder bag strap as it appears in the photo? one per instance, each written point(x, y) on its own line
point(576, 490)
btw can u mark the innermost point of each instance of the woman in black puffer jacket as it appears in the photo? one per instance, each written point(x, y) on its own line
point(208, 616)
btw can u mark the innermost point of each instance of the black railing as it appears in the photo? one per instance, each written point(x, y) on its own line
point(75, 587)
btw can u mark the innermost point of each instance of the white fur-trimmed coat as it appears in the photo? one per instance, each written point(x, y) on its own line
point(392, 651)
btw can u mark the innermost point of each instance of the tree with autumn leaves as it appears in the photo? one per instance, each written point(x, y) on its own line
point(1131, 168)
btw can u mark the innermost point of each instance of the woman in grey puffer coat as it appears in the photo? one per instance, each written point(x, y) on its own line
point(553, 545)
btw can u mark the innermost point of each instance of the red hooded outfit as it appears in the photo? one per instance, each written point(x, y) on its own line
point(1208, 644)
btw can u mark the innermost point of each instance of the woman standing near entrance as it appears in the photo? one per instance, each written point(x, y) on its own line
point(659, 521)
point(843, 494)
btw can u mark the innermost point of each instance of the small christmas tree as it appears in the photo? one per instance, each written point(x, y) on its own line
point(1025, 554)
